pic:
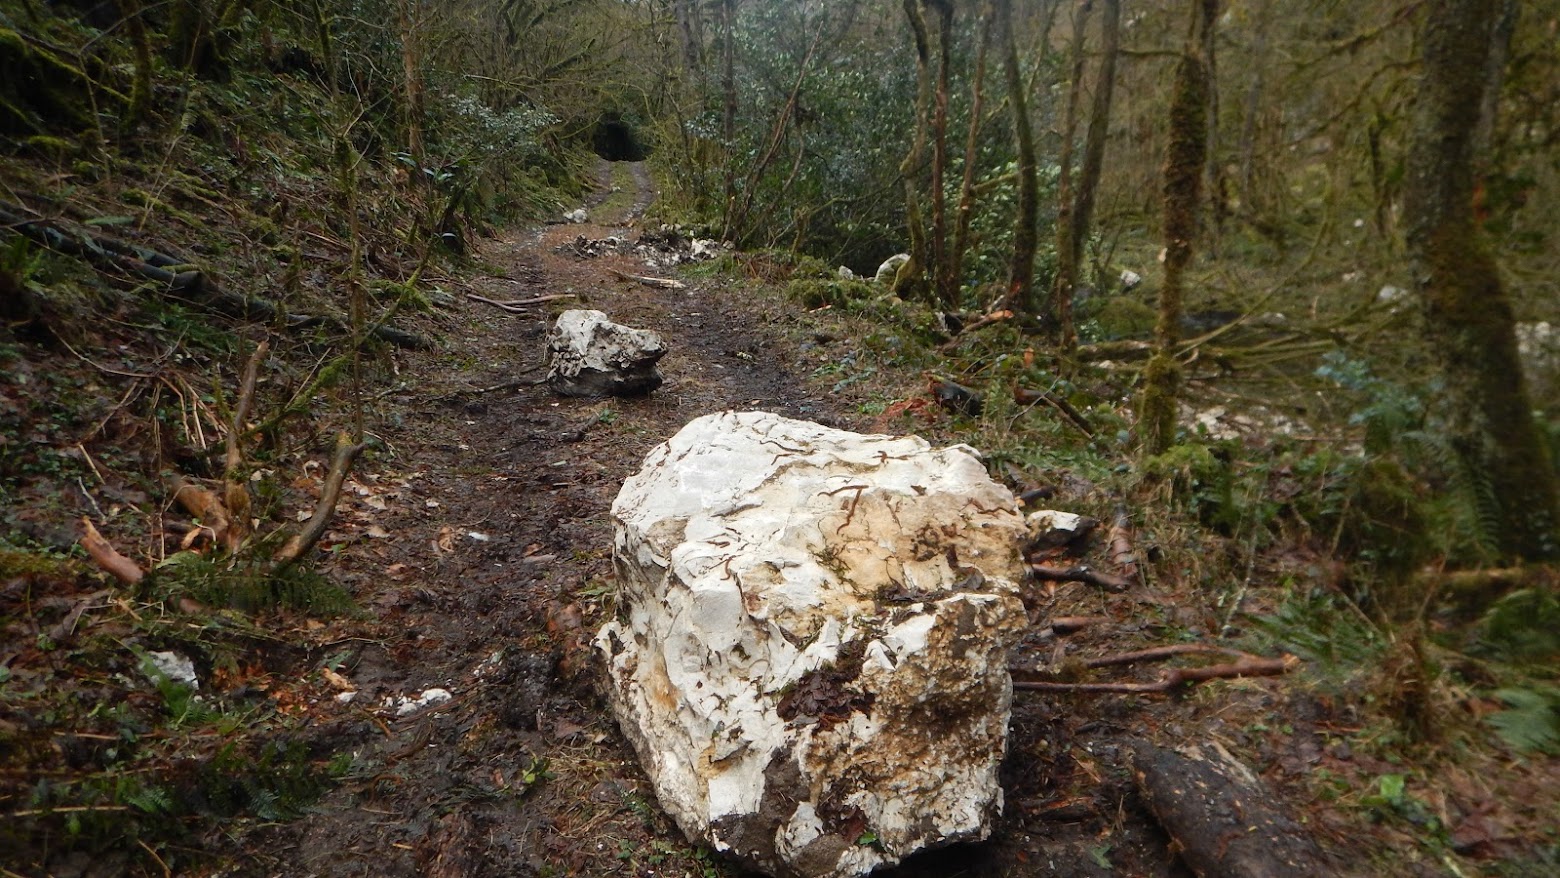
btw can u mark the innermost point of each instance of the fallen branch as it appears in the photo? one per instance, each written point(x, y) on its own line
point(314, 528)
point(1025, 396)
point(180, 278)
point(991, 319)
point(517, 306)
point(1174, 678)
point(1080, 573)
point(107, 557)
point(658, 282)
point(1073, 624)
point(1160, 653)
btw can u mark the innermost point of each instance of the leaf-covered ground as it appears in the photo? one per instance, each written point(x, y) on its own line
point(471, 554)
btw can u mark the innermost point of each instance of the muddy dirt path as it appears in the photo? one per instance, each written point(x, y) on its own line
point(478, 544)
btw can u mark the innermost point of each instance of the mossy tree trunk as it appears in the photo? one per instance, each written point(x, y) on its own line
point(1183, 173)
point(1468, 316)
point(141, 86)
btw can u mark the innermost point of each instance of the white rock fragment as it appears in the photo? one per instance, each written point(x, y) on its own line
point(812, 642)
point(405, 705)
point(173, 666)
point(1130, 279)
point(592, 356)
point(1394, 297)
point(345, 697)
point(576, 215)
point(890, 268)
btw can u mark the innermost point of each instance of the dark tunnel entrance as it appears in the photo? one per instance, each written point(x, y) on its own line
point(618, 141)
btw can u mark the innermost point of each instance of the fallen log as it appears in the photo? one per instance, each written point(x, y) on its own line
point(1221, 817)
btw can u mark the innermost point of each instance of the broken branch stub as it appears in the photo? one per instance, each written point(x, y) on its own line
point(811, 649)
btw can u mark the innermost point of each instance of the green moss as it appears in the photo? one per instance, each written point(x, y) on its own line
point(16, 562)
point(1384, 526)
point(1156, 413)
point(1125, 318)
point(816, 292)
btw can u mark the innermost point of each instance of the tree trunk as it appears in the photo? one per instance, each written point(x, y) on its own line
point(1066, 255)
point(728, 125)
point(961, 233)
point(411, 78)
point(141, 86)
point(689, 33)
point(947, 284)
point(911, 274)
point(1183, 175)
point(1069, 265)
point(1021, 272)
point(1468, 316)
point(1260, 13)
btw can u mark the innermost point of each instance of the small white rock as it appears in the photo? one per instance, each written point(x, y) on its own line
point(429, 698)
point(178, 668)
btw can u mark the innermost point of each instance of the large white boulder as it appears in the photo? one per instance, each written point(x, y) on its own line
point(592, 356)
point(810, 653)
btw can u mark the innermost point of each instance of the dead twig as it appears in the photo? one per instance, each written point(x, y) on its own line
point(517, 306)
point(1080, 573)
point(1025, 396)
point(1160, 653)
point(236, 493)
point(991, 319)
point(107, 557)
point(314, 528)
point(67, 625)
point(658, 282)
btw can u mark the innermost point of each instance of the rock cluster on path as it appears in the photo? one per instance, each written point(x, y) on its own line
point(592, 356)
point(810, 655)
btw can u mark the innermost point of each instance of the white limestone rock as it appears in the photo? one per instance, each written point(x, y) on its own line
point(890, 268)
point(592, 356)
point(810, 655)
